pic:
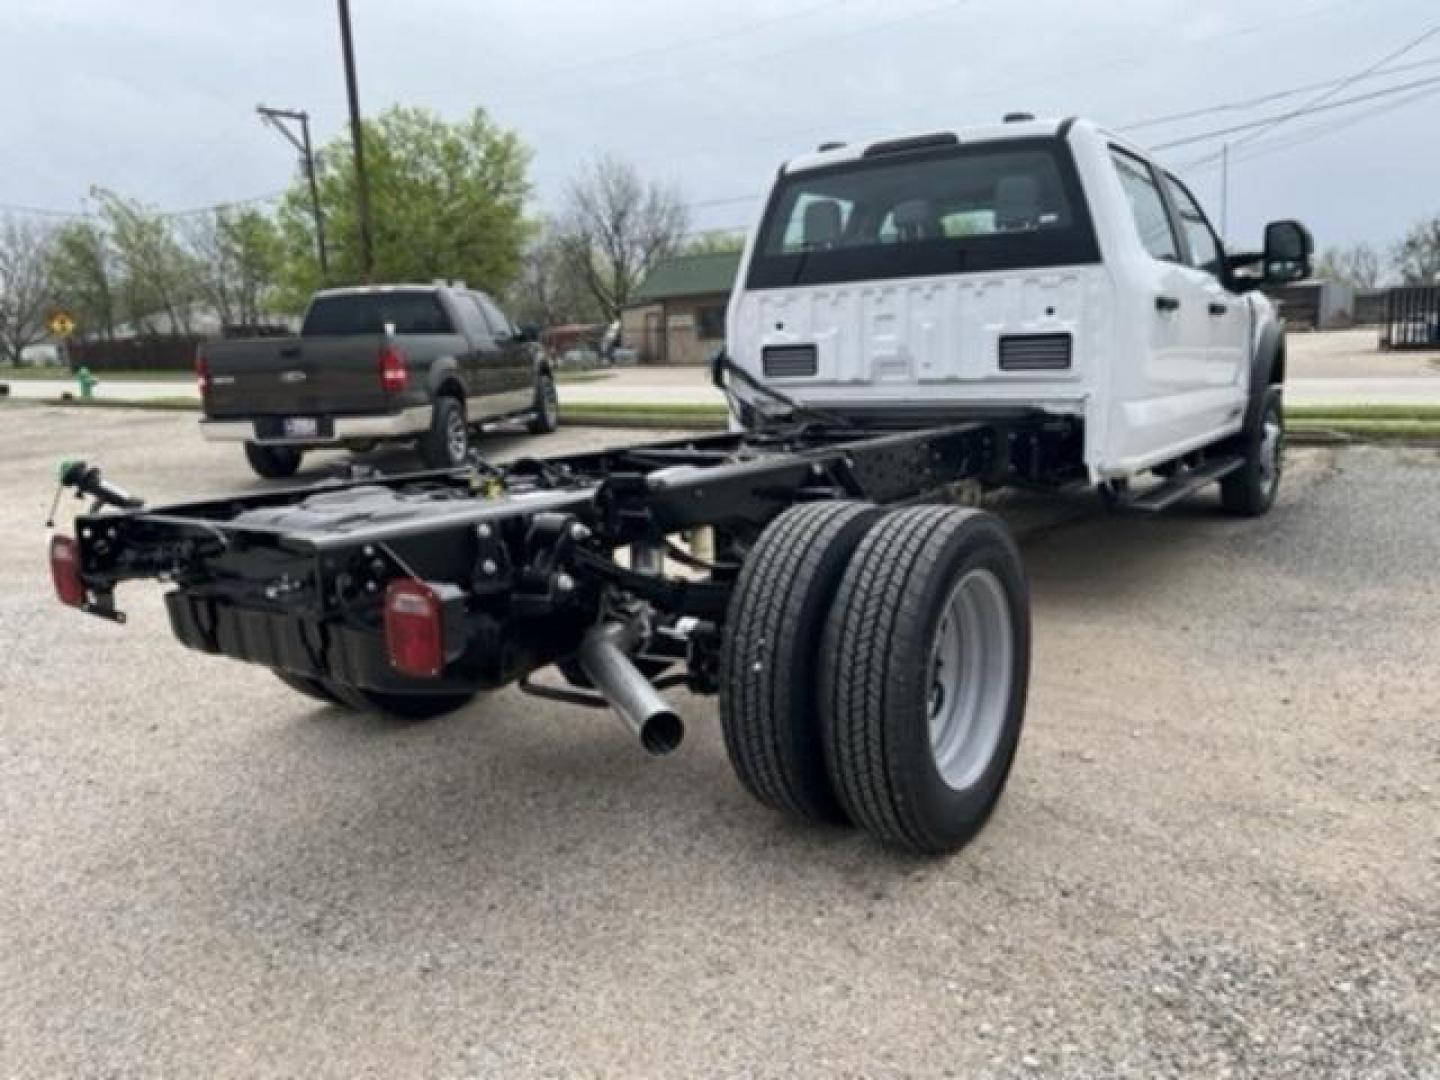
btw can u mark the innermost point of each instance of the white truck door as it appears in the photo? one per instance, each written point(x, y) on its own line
point(1176, 397)
point(1228, 314)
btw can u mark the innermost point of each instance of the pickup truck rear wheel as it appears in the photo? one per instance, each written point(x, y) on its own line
point(399, 705)
point(769, 663)
point(1251, 489)
point(447, 444)
point(547, 406)
point(273, 462)
point(924, 669)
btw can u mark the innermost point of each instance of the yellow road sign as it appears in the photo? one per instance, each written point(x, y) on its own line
point(61, 323)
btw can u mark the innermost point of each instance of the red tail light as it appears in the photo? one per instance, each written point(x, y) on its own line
point(394, 375)
point(202, 376)
point(65, 570)
point(414, 628)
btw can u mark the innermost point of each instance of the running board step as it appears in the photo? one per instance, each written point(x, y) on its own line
point(1163, 496)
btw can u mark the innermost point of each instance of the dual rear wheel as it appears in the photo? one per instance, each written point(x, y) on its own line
point(874, 669)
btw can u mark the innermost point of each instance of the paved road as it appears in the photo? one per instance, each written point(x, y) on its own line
point(1217, 855)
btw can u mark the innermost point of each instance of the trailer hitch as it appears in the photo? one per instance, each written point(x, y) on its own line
point(86, 479)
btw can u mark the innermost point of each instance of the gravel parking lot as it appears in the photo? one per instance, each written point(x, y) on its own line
point(1218, 854)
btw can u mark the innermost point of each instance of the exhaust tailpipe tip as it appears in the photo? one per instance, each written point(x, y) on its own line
point(662, 733)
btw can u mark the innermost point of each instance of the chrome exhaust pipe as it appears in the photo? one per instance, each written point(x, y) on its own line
point(605, 660)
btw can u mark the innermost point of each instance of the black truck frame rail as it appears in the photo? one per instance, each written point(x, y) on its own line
point(520, 561)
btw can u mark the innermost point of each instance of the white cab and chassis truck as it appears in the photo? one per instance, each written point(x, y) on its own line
point(1038, 304)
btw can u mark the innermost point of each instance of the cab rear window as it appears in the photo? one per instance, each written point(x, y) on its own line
point(995, 206)
point(371, 313)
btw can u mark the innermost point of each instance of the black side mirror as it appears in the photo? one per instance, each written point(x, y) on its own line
point(528, 332)
point(1288, 249)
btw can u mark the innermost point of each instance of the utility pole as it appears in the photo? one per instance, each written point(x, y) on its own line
point(1224, 191)
point(276, 118)
point(362, 184)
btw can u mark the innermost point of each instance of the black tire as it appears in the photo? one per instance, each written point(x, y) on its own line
point(879, 676)
point(399, 705)
point(769, 657)
point(447, 444)
point(312, 688)
point(1250, 491)
point(273, 462)
point(547, 406)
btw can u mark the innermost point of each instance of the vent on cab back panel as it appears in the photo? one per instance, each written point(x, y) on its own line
point(789, 361)
point(1035, 352)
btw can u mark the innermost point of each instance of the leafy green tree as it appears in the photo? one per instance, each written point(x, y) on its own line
point(84, 278)
point(446, 201)
point(1417, 256)
point(157, 275)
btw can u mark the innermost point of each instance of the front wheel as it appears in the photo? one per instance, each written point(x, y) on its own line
point(924, 669)
point(1250, 490)
point(547, 406)
point(273, 462)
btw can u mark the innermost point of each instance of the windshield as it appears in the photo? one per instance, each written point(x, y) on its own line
point(990, 207)
point(369, 313)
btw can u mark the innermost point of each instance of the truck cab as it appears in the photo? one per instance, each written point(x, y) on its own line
point(1032, 265)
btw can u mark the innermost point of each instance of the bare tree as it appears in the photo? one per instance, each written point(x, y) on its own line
point(236, 257)
point(1357, 265)
point(550, 290)
point(616, 225)
point(25, 287)
point(1416, 258)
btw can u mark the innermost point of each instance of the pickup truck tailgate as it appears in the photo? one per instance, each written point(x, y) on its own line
point(295, 376)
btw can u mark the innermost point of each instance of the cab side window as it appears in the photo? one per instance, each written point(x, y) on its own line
point(1147, 206)
point(1204, 247)
point(499, 324)
point(476, 328)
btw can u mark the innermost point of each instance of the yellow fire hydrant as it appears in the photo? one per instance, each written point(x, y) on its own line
point(87, 382)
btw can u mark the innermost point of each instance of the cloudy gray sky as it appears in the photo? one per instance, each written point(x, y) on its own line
point(155, 98)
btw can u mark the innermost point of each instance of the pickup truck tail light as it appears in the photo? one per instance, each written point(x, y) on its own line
point(414, 628)
point(65, 570)
point(394, 375)
point(202, 376)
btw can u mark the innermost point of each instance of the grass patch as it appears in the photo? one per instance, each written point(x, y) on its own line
point(583, 376)
point(1371, 430)
point(1425, 413)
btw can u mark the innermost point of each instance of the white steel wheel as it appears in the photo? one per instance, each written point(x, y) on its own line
point(971, 669)
point(924, 667)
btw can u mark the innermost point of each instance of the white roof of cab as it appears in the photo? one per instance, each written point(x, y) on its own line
point(1018, 129)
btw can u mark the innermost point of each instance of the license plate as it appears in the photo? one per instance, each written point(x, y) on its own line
point(300, 427)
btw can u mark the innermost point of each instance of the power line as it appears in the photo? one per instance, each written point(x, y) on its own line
point(1265, 99)
point(741, 61)
point(675, 46)
point(1315, 131)
point(1319, 100)
point(1269, 121)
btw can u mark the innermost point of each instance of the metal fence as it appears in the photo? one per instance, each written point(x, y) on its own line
point(1412, 318)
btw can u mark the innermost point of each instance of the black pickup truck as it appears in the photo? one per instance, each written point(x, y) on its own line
point(421, 363)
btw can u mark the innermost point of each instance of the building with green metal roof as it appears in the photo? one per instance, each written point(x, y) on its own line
point(677, 316)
